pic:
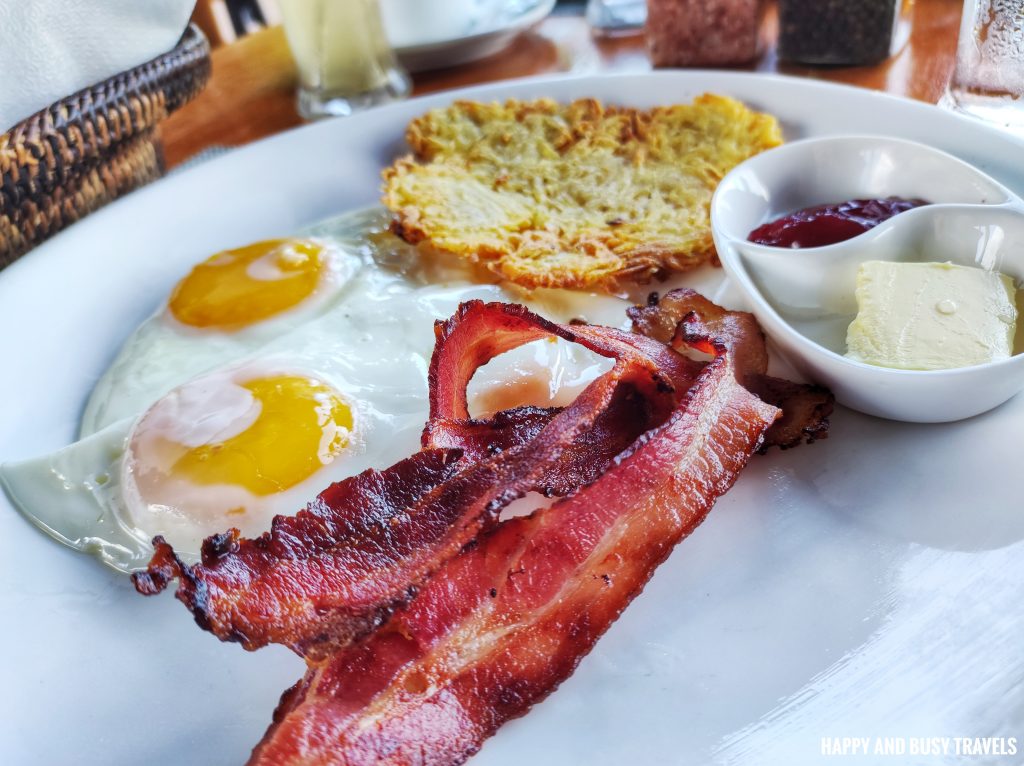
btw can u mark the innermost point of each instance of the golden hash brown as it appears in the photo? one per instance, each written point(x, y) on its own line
point(578, 195)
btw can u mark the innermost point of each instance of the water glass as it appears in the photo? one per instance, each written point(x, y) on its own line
point(616, 17)
point(989, 78)
point(343, 55)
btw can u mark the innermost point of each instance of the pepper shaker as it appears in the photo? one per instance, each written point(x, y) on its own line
point(842, 32)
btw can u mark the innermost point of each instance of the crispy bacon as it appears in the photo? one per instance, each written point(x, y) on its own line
point(627, 415)
point(805, 408)
point(333, 572)
point(500, 626)
point(503, 611)
point(468, 341)
point(479, 332)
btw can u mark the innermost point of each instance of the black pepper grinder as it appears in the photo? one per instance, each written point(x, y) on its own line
point(842, 32)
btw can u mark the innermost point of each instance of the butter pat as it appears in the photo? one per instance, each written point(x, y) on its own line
point(931, 316)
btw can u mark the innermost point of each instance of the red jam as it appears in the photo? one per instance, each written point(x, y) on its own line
point(828, 224)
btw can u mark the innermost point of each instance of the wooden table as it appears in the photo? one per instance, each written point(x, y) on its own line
point(252, 92)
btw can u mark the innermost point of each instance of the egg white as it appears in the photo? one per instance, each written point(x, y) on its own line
point(371, 339)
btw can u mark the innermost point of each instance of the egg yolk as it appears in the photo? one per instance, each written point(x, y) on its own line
point(263, 435)
point(240, 287)
point(302, 425)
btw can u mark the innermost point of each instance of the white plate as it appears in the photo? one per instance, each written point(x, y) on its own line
point(870, 585)
point(437, 38)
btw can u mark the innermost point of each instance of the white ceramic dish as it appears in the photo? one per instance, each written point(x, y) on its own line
point(868, 585)
point(804, 298)
point(484, 28)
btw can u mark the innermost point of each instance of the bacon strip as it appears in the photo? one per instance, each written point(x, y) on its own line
point(479, 332)
point(504, 611)
point(499, 627)
point(805, 408)
point(628, 415)
point(333, 572)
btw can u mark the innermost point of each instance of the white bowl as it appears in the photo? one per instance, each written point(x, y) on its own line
point(804, 298)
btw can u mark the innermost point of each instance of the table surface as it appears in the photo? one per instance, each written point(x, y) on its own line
point(252, 91)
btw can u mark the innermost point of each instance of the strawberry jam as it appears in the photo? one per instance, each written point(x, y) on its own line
point(828, 224)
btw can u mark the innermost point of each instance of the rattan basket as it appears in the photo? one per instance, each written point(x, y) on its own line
point(93, 146)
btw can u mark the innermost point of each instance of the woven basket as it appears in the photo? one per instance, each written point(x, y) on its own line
point(91, 147)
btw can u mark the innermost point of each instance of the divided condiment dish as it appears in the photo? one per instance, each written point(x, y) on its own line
point(805, 298)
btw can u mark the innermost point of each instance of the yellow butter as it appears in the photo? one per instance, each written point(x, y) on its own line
point(931, 316)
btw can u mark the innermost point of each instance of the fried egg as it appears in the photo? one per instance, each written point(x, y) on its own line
point(271, 371)
point(226, 307)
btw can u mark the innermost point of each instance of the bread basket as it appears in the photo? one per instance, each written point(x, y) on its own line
point(89, 148)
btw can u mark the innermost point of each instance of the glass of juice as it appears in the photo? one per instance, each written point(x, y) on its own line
point(344, 59)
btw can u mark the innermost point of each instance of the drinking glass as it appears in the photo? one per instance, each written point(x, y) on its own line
point(616, 17)
point(989, 78)
point(344, 58)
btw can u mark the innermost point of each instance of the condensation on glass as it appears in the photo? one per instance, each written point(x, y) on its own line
point(989, 78)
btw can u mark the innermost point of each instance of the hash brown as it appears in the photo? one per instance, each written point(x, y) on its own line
point(578, 195)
